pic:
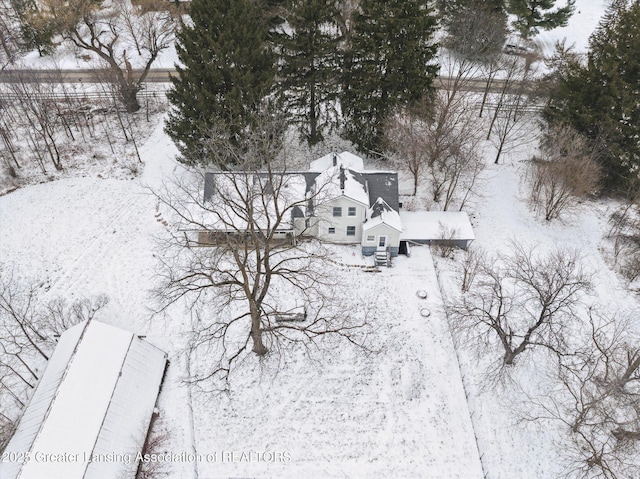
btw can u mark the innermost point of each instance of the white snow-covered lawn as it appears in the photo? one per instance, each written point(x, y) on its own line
point(398, 411)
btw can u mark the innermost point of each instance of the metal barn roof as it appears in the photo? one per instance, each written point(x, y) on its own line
point(95, 399)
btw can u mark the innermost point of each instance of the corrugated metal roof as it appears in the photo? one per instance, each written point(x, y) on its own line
point(95, 399)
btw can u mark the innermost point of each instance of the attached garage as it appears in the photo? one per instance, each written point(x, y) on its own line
point(437, 227)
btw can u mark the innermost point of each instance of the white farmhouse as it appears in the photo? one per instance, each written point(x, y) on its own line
point(337, 201)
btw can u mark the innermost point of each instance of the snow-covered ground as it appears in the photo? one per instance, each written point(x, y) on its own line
point(413, 408)
point(398, 411)
point(401, 411)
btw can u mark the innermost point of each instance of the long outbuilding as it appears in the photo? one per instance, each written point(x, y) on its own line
point(90, 413)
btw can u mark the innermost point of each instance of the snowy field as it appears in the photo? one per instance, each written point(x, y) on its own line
point(412, 408)
point(400, 410)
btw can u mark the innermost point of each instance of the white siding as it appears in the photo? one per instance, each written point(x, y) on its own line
point(327, 220)
point(393, 235)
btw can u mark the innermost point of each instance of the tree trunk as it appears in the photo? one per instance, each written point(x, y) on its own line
point(256, 334)
point(129, 96)
point(258, 346)
point(509, 357)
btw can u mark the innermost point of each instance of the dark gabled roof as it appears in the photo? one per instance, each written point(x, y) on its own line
point(383, 185)
point(380, 184)
point(310, 178)
point(377, 184)
point(296, 212)
point(379, 207)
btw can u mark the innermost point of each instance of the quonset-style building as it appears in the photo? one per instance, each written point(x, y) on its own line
point(90, 413)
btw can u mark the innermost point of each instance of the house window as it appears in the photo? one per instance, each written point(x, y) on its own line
point(371, 238)
point(337, 211)
point(332, 231)
point(352, 211)
point(351, 230)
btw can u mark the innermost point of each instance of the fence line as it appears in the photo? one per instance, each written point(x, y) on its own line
point(75, 95)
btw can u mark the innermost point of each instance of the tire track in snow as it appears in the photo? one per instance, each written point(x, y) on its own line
point(78, 268)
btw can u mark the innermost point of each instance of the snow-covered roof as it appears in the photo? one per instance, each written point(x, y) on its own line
point(346, 159)
point(337, 181)
point(273, 197)
point(95, 398)
point(429, 225)
point(382, 213)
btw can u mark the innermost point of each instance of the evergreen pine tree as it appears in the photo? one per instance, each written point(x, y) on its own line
point(228, 69)
point(533, 15)
point(389, 65)
point(600, 99)
point(309, 61)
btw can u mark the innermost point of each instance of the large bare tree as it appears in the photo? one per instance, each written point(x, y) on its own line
point(521, 300)
point(126, 38)
point(239, 258)
point(594, 392)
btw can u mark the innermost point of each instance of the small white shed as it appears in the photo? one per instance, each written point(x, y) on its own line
point(90, 413)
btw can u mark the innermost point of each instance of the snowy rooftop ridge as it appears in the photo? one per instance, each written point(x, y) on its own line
point(96, 397)
point(337, 181)
point(345, 159)
point(382, 213)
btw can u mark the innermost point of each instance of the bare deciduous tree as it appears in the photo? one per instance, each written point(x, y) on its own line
point(625, 234)
point(438, 139)
point(508, 127)
point(28, 329)
point(473, 261)
point(9, 34)
point(520, 301)
point(564, 174)
point(40, 119)
point(119, 34)
point(405, 139)
point(252, 286)
point(596, 395)
point(157, 441)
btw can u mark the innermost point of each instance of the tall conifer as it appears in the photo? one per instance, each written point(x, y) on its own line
point(310, 66)
point(601, 99)
point(390, 64)
point(227, 69)
point(533, 15)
